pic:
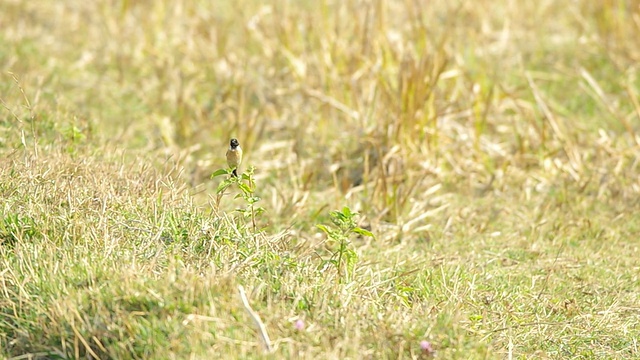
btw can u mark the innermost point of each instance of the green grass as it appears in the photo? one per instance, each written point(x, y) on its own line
point(489, 147)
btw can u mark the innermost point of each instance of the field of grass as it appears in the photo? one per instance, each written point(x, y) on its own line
point(490, 147)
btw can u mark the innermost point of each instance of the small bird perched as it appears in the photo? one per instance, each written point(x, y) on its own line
point(234, 156)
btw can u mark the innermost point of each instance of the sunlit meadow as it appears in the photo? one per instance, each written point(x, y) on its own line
point(422, 179)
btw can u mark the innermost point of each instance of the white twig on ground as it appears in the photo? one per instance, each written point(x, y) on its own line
point(256, 319)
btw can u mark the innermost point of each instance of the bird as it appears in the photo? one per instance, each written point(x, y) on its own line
point(234, 156)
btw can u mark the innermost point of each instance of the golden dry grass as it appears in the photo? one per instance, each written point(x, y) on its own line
point(490, 147)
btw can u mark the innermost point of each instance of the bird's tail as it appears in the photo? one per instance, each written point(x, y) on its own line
point(235, 172)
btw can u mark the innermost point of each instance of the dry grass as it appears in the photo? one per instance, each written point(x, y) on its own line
point(491, 147)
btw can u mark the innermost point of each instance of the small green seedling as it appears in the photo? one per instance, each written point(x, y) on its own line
point(247, 191)
point(344, 226)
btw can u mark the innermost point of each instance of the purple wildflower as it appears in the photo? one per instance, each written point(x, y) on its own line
point(426, 347)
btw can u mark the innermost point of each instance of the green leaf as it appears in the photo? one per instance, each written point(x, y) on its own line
point(223, 186)
point(244, 188)
point(253, 199)
point(347, 212)
point(324, 228)
point(220, 172)
point(363, 232)
point(338, 216)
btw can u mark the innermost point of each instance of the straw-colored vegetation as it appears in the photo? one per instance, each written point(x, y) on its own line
point(490, 147)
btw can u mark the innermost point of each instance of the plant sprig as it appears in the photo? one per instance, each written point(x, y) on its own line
point(343, 227)
point(247, 191)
